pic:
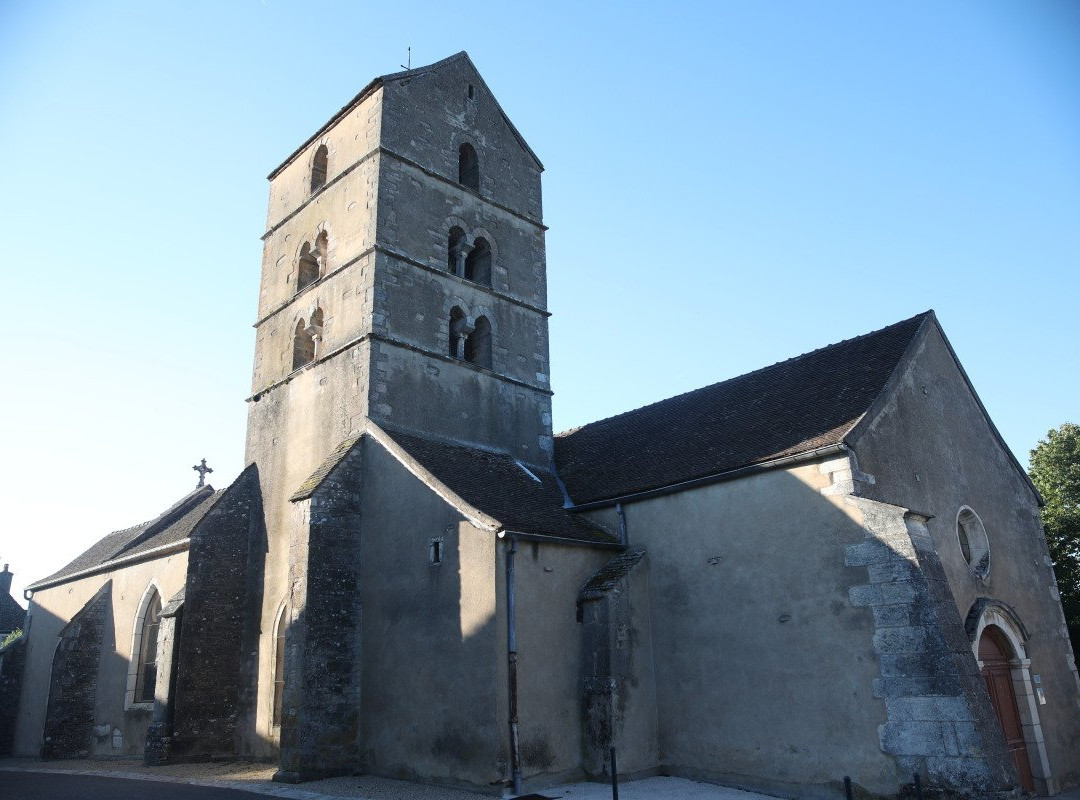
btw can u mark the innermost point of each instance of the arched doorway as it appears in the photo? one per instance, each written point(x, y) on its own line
point(996, 655)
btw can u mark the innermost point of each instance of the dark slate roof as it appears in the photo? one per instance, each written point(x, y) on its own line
point(171, 526)
point(11, 614)
point(611, 573)
point(523, 498)
point(792, 407)
point(308, 487)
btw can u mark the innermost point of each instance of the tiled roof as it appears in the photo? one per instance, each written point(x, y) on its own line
point(789, 408)
point(605, 578)
point(171, 526)
point(523, 498)
point(11, 614)
point(308, 487)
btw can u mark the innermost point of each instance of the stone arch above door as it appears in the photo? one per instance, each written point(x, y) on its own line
point(989, 617)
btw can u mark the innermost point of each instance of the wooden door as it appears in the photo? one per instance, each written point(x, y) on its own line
point(995, 653)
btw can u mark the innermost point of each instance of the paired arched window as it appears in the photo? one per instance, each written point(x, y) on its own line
point(478, 263)
point(455, 252)
point(468, 167)
point(307, 271)
point(458, 332)
point(478, 345)
point(279, 666)
point(318, 168)
point(312, 261)
point(305, 338)
point(146, 672)
point(470, 343)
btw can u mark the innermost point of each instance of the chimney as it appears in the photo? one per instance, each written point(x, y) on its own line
point(5, 581)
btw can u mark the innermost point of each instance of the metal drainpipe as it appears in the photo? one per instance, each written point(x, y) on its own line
point(624, 539)
point(511, 659)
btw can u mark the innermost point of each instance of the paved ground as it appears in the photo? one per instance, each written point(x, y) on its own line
point(238, 780)
point(30, 779)
point(68, 786)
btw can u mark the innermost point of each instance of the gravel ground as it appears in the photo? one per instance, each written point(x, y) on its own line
point(255, 777)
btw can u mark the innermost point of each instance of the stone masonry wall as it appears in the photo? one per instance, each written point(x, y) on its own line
point(940, 722)
point(612, 675)
point(320, 727)
point(215, 680)
point(69, 717)
point(12, 661)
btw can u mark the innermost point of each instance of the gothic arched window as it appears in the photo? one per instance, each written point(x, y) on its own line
point(478, 345)
point(468, 167)
point(146, 672)
point(307, 271)
point(318, 168)
point(478, 263)
point(279, 666)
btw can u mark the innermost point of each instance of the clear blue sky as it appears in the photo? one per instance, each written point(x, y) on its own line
point(728, 184)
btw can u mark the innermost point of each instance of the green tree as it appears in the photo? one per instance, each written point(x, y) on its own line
point(1055, 470)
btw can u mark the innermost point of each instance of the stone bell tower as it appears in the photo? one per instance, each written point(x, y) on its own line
point(403, 281)
point(404, 276)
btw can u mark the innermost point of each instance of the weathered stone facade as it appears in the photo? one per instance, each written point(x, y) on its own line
point(69, 719)
point(214, 689)
point(12, 662)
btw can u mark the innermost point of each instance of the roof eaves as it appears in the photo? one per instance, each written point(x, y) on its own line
point(106, 566)
point(717, 477)
point(345, 109)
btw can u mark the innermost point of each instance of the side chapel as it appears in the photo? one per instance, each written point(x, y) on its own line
point(830, 566)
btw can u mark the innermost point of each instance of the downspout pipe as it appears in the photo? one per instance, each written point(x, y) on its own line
point(511, 663)
point(624, 539)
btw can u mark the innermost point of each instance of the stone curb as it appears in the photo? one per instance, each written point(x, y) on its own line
point(264, 788)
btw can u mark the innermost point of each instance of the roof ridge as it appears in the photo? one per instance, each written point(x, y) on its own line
point(793, 359)
point(169, 516)
point(391, 76)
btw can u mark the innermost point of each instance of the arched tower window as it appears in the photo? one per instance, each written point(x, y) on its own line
point(468, 167)
point(146, 672)
point(478, 345)
point(455, 252)
point(318, 168)
point(307, 271)
point(457, 333)
point(478, 264)
point(279, 665)
point(322, 244)
point(303, 345)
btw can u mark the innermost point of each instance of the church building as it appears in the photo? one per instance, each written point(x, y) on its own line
point(832, 566)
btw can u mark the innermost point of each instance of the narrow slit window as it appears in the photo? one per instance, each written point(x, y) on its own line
point(435, 552)
point(279, 667)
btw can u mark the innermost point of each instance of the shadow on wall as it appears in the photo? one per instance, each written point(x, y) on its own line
point(797, 640)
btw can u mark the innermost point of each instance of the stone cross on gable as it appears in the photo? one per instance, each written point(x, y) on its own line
point(203, 470)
